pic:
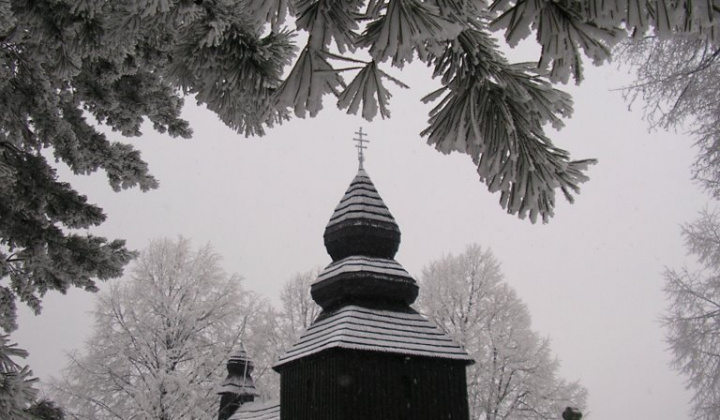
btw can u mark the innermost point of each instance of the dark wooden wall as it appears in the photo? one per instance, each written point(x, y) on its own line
point(352, 385)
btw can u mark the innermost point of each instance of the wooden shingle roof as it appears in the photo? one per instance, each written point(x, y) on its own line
point(258, 411)
point(359, 278)
point(360, 328)
point(361, 201)
point(361, 223)
point(239, 380)
point(238, 385)
point(356, 264)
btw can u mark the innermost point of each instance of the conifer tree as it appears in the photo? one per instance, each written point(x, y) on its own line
point(46, 410)
point(16, 383)
point(68, 64)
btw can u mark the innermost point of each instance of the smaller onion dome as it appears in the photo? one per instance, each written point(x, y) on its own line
point(239, 380)
point(361, 224)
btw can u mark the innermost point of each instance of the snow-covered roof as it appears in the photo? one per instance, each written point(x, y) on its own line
point(358, 279)
point(356, 264)
point(238, 385)
point(269, 410)
point(361, 223)
point(361, 201)
point(239, 380)
point(359, 328)
point(240, 355)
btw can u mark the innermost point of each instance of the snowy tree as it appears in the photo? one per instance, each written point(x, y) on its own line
point(515, 375)
point(693, 316)
point(299, 310)
point(16, 383)
point(68, 65)
point(161, 339)
point(676, 83)
point(264, 344)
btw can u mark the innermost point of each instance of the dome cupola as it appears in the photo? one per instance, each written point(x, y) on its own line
point(361, 224)
point(238, 387)
point(362, 239)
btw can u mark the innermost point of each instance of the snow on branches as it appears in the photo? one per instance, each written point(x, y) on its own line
point(515, 374)
point(692, 319)
point(161, 340)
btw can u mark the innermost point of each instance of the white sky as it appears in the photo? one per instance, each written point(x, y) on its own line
point(591, 277)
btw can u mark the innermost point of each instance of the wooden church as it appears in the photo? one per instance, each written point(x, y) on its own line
point(368, 355)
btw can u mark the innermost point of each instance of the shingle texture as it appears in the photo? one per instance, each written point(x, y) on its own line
point(361, 201)
point(238, 385)
point(359, 264)
point(361, 223)
point(359, 328)
point(238, 380)
point(258, 411)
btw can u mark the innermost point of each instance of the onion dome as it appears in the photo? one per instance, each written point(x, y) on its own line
point(239, 380)
point(361, 224)
point(362, 238)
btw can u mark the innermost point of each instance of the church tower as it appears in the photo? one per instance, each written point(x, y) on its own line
point(238, 388)
point(369, 355)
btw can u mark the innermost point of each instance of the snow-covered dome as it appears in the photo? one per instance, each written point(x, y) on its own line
point(239, 380)
point(361, 224)
point(362, 238)
point(241, 358)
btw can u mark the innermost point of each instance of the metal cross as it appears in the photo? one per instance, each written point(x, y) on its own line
point(360, 146)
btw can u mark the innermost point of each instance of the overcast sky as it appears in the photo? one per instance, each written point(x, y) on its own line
point(591, 277)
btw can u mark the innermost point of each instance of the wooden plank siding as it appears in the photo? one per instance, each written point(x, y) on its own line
point(345, 384)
